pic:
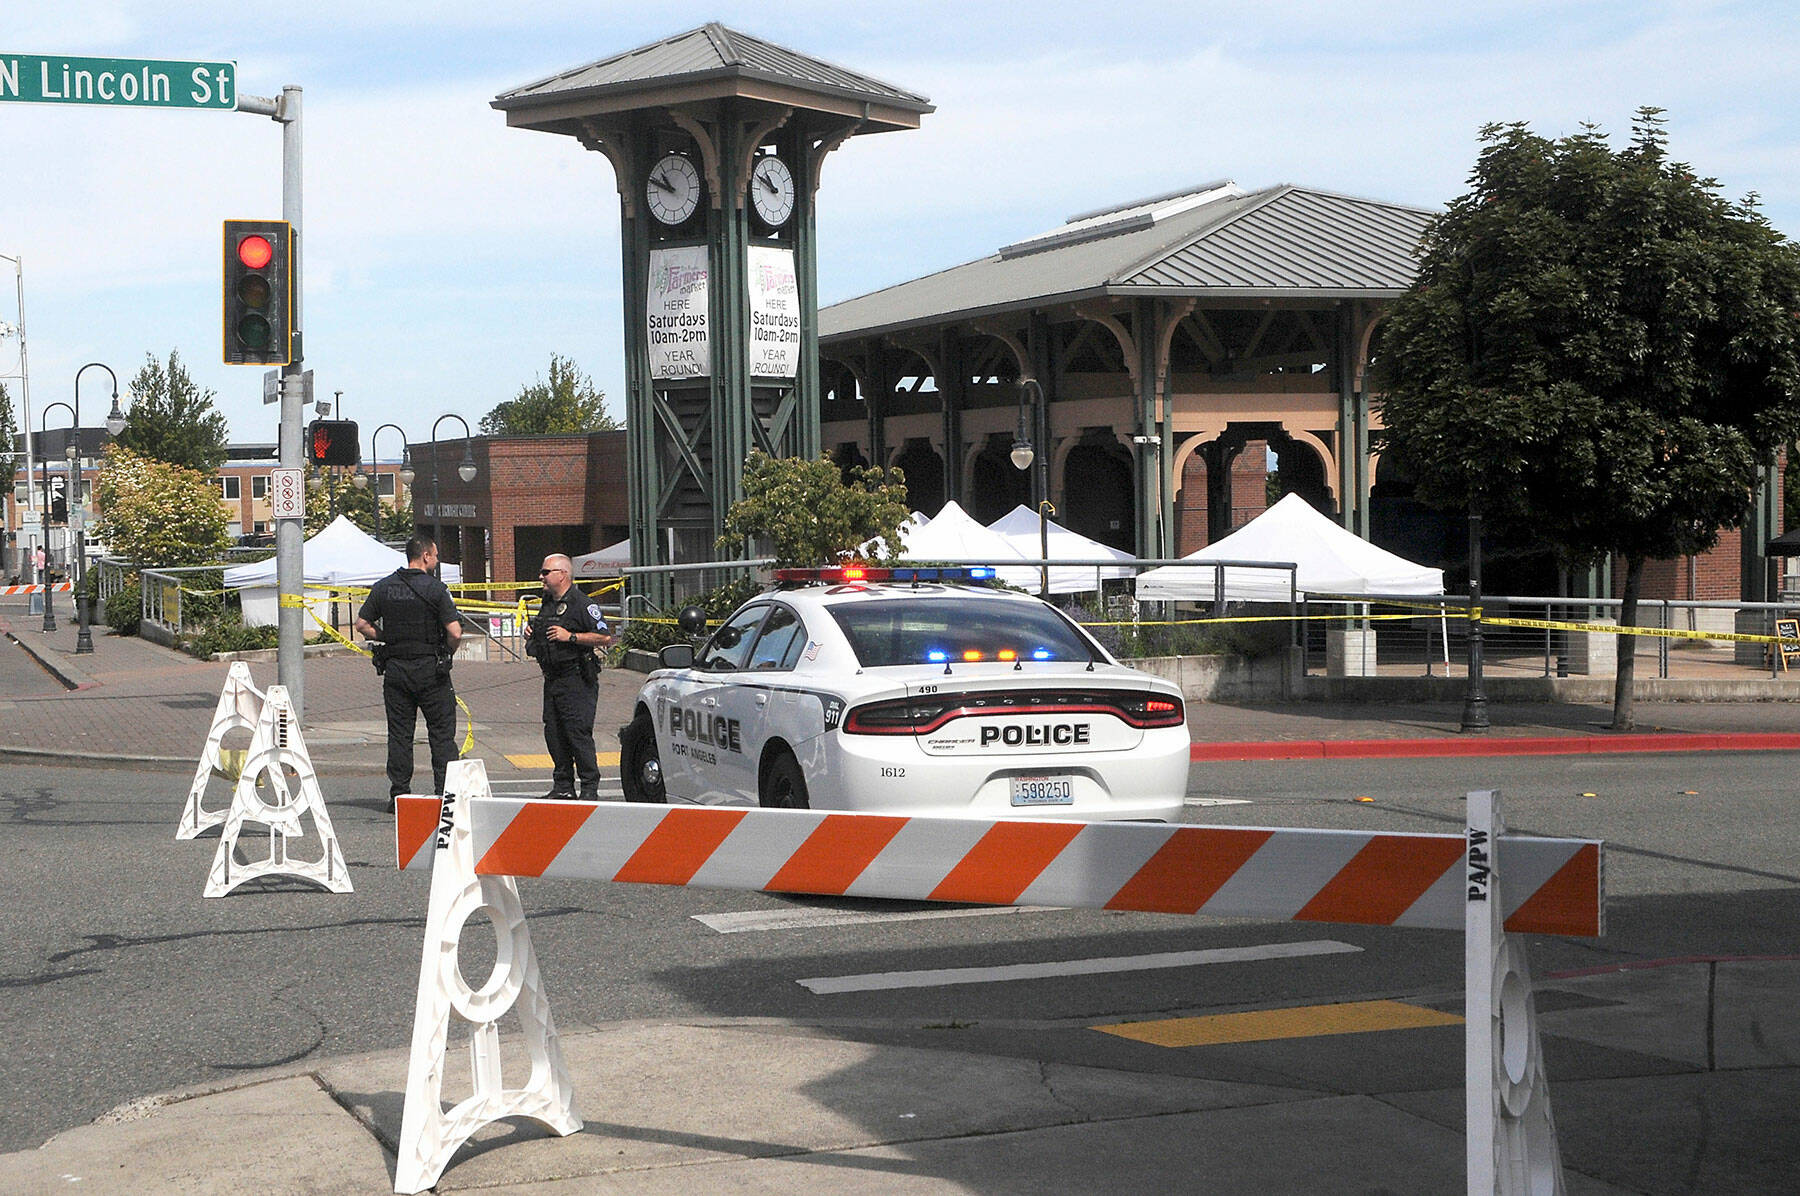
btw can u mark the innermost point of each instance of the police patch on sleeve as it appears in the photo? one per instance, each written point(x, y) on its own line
point(594, 612)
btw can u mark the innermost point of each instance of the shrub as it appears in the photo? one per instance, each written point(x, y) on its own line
point(125, 608)
point(227, 633)
point(651, 633)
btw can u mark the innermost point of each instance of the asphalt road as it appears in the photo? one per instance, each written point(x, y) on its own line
point(122, 980)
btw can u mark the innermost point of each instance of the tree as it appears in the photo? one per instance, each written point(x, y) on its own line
point(338, 495)
point(565, 405)
point(1598, 350)
point(155, 513)
point(811, 512)
point(171, 419)
point(8, 429)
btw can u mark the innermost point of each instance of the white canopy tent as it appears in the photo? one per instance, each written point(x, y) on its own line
point(339, 554)
point(603, 562)
point(1331, 560)
point(1020, 528)
point(955, 535)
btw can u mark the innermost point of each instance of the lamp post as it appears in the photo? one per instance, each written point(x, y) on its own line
point(406, 473)
point(1475, 712)
point(44, 466)
point(1023, 454)
point(465, 471)
point(115, 423)
point(1045, 510)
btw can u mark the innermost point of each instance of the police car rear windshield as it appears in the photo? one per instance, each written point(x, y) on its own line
point(958, 631)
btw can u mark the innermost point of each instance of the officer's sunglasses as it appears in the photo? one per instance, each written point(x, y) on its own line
point(548, 572)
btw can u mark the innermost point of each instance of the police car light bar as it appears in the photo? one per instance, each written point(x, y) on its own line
point(844, 573)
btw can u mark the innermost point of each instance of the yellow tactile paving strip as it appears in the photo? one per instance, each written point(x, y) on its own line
point(543, 760)
point(1305, 1021)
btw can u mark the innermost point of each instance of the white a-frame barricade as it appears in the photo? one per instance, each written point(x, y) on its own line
point(278, 758)
point(1493, 886)
point(240, 704)
point(429, 1135)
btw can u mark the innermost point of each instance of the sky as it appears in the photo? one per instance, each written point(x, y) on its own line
point(447, 257)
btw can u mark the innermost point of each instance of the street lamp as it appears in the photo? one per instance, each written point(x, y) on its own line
point(406, 473)
point(1023, 454)
point(115, 423)
point(465, 471)
point(44, 466)
point(1475, 711)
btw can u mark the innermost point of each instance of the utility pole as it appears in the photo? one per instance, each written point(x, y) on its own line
point(290, 534)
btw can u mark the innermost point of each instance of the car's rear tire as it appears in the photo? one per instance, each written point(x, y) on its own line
point(640, 765)
point(784, 785)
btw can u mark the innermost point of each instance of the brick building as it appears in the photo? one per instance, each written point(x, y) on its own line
point(530, 496)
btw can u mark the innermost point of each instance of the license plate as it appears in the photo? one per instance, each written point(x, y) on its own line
point(1043, 791)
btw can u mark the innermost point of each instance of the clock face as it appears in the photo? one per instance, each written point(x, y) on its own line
point(772, 191)
point(673, 190)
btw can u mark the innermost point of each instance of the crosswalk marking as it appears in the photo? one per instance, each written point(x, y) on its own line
point(543, 760)
point(802, 918)
point(871, 981)
point(1263, 1025)
point(1215, 801)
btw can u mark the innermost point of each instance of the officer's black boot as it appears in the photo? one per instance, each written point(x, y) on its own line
point(590, 793)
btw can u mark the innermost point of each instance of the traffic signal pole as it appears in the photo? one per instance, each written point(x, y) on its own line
point(290, 534)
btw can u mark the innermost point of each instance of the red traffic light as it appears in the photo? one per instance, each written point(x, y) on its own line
point(255, 252)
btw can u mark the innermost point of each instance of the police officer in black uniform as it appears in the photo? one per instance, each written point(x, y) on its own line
point(564, 633)
point(419, 627)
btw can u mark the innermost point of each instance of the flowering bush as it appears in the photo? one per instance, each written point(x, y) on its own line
point(155, 513)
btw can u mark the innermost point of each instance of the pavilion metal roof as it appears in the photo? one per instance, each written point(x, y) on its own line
point(709, 52)
point(1215, 241)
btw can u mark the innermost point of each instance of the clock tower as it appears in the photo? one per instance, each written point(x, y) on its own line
point(716, 141)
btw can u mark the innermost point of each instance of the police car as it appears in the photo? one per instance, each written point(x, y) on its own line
point(906, 690)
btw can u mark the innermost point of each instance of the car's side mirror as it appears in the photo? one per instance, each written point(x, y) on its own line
point(677, 656)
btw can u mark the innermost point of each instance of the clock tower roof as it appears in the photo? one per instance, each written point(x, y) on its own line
point(710, 63)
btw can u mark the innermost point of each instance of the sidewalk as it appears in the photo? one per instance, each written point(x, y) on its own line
point(132, 703)
point(774, 1107)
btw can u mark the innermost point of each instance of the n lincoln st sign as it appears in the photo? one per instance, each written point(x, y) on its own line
point(126, 82)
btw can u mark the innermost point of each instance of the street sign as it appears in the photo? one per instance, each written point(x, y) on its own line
point(287, 493)
point(272, 387)
point(119, 82)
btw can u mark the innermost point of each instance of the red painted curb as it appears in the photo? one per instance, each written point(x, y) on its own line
point(1557, 745)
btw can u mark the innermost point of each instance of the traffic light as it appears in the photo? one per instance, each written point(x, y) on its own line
point(333, 442)
point(259, 292)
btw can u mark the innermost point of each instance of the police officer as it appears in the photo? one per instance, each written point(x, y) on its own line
point(564, 633)
point(419, 627)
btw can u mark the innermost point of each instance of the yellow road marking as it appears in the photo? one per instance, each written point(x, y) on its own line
point(1305, 1021)
point(543, 760)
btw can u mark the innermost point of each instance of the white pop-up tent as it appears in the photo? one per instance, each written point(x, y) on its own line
point(339, 554)
point(603, 562)
point(1020, 527)
point(955, 535)
point(1331, 560)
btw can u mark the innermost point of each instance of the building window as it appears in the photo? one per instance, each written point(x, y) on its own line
point(21, 493)
point(259, 487)
point(384, 485)
point(261, 527)
point(230, 486)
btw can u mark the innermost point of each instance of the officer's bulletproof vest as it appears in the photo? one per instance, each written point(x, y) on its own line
point(409, 624)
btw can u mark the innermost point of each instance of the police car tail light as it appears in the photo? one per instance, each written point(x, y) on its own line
point(908, 716)
point(921, 716)
point(1153, 710)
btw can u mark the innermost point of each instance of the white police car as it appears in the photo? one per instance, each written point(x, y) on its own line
point(910, 691)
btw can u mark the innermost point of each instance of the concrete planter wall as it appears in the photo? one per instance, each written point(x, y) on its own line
point(1227, 678)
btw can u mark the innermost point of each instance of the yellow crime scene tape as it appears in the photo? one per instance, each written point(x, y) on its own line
point(292, 600)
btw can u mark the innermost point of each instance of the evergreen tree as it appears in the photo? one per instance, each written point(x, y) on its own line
point(171, 419)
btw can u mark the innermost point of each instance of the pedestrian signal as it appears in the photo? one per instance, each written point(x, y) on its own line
point(59, 509)
point(332, 442)
point(258, 292)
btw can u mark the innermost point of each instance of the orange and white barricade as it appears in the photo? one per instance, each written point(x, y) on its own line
point(240, 705)
point(278, 759)
point(1493, 886)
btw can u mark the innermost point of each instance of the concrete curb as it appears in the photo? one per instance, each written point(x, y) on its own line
point(1521, 745)
point(71, 677)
